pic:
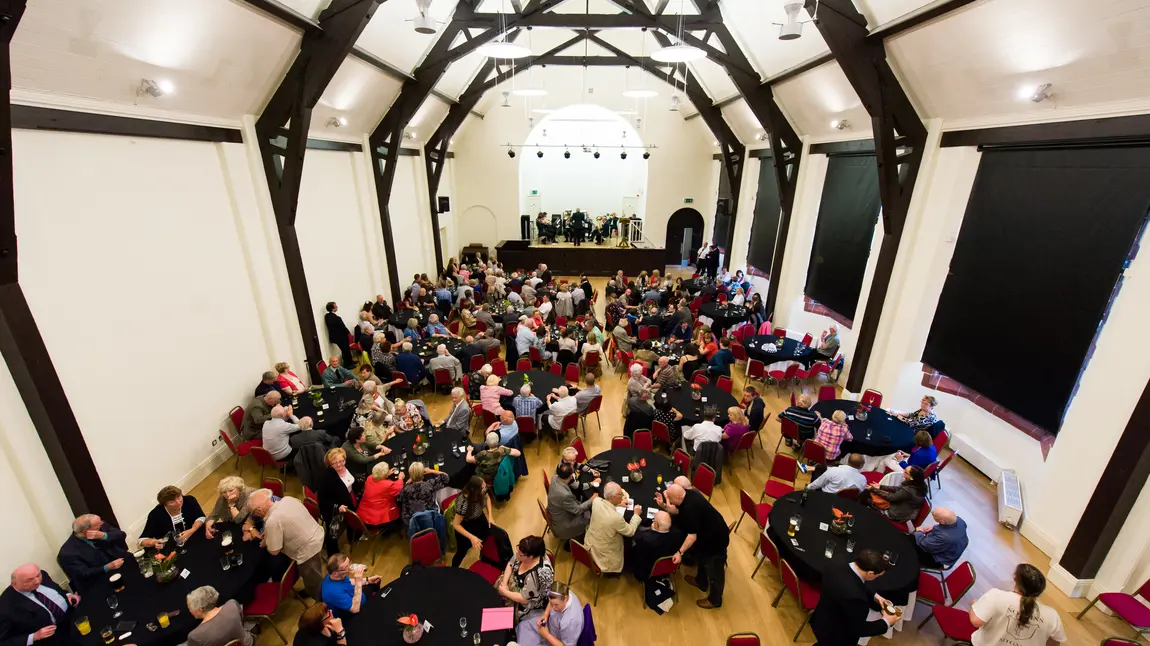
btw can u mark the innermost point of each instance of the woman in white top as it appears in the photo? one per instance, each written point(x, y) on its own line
point(740, 298)
point(1016, 618)
point(588, 347)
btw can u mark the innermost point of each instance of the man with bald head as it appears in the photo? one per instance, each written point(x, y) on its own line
point(941, 544)
point(33, 608)
point(706, 534)
point(652, 544)
point(94, 549)
point(289, 528)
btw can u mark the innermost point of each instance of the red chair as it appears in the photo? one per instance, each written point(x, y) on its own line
point(815, 452)
point(321, 366)
point(642, 441)
point(682, 461)
point(582, 556)
point(570, 423)
point(779, 376)
point(571, 373)
point(535, 354)
point(659, 431)
point(620, 442)
point(701, 378)
point(477, 361)
point(827, 393)
point(724, 383)
point(928, 474)
point(872, 477)
point(746, 444)
point(268, 596)
point(312, 508)
point(1126, 606)
point(803, 374)
point(740, 352)
point(499, 367)
point(721, 297)
point(593, 406)
point(591, 360)
point(780, 332)
point(955, 623)
point(403, 384)
point(941, 466)
point(308, 493)
point(756, 370)
point(265, 459)
point(555, 368)
point(704, 480)
point(489, 418)
point(933, 591)
point(941, 441)
point(492, 353)
point(849, 494)
point(527, 427)
point(781, 481)
point(807, 338)
point(523, 364)
point(560, 321)
point(580, 453)
point(356, 523)
point(769, 553)
point(871, 397)
point(425, 548)
point(757, 510)
point(1118, 641)
point(663, 567)
point(442, 378)
point(923, 512)
point(546, 486)
point(275, 485)
point(789, 429)
point(489, 554)
point(547, 525)
point(243, 448)
point(807, 594)
point(653, 331)
point(237, 416)
point(453, 327)
point(644, 333)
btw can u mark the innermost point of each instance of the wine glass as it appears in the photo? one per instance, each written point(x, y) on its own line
point(463, 627)
point(476, 638)
point(113, 603)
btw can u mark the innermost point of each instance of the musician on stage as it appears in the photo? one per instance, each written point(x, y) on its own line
point(578, 227)
point(545, 230)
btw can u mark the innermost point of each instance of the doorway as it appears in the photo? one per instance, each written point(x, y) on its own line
point(684, 236)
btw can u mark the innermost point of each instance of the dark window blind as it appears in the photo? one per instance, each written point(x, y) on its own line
point(765, 227)
point(847, 215)
point(1045, 237)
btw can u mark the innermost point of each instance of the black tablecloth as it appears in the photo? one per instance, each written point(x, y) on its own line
point(673, 351)
point(791, 350)
point(692, 410)
point(642, 492)
point(426, 348)
point(442, 443)
point(399, 319)
point(871, 530)
point(724, 315)
point(659, 320)
point(439, 595)
point(699, 286)
point(143, 599)
point(887, 434)
point(542, 383)
point(341, 402)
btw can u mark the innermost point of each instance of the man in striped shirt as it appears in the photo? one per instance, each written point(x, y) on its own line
point(526, 404)
point(806, 419)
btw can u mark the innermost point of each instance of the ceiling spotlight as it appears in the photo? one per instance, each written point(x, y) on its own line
point(640, 94)
point(506, 100)
point(595, 154)
point(504, 49)
point(423, 23)
point(408, 134)
point(678, 53)
point(647, 155)
point(793, 27)
point(840, 124)
point(539, 154)
point(530, 91)
point(1035, 93)
point(336, 122)
point(623, 155)
point(511, 153)
point(566, 154)
point(155, 89)
point(762, 136)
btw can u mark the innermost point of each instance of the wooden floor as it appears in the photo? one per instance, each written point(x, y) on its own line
point(620, 616)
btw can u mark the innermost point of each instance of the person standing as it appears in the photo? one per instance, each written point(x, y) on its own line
point(1016, 617)
point(707, 534)
point(289, 528)
point(338, 333)
point(845, 602)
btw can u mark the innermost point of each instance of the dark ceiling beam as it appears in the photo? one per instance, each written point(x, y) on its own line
point(517, 6)
point(282, 130)
point(801, 68)
point(500, 24)
point(475, 91)
point(21, 344)
point(284, 13)
point(398, 74)
point(918, 19)
point(661, 7)
point(592, 21)
point(600, 61)
point(899, 137)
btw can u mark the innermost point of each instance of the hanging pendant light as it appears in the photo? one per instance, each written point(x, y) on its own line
point(678, 54)
point(501, 47)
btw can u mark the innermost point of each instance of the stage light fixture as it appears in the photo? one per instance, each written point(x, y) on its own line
point(539, 154)
point(511, 153)
point(566, 154)
point(596, 154)
point(647, 155)
point(623, 155)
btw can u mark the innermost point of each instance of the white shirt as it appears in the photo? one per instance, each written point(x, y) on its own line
point(999, 609)
point(559, 409)
point(545, 309)
point(835, 479)
point(739, 299)
point(704, 432)
point(347, 478)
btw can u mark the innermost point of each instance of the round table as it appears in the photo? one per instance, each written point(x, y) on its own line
point(724, 315)
point(699, 286)
point(340, 401)
point(142, 599)
point(790, 350)
point(439, 595)
point(871, 530)
point(673, 351)
point(657, 319)
point(426, 348)
point(399, 319)
point(577, 331)
point(887, 433)
point(449, 445)
point(542, 383)
point(692, 410)
point(642, 492)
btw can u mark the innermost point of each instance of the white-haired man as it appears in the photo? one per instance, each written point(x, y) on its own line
point(435, 328)
point(33, 608)
point(94, 549)
point(289, 528)
point(829, 341)
point(459, 417)
point(526, 404)
point(444, 361)
point(706, 533)
point(337, 375)
point(560, 404)
point(284, 433)
point(607, 529)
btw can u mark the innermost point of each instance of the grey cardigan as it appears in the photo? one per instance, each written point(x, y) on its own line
point(569, 517)
point(220, 512)
point(905, 502)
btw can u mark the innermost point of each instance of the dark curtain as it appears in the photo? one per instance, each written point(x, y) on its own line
point(765, 227)
point(1045, 238)
point(847, 215)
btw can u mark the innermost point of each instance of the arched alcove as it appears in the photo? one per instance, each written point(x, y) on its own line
point(685, 225)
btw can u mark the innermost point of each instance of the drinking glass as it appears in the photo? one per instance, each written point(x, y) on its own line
point(798, 523)
point(180, 542)
point(869, 433)
point(83, 625)
point(439, 460)
point(163, 619)
point(114, 603)
point(886, 556)
point(463, 627)
point(225, 563)
point(239, 559)
point(850, 547)
point(476, 638)
point(830, 550)
point(893, 559)
point(106, 635)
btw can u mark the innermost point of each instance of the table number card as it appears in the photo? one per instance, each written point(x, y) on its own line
point(184, 574)
point(824, 526)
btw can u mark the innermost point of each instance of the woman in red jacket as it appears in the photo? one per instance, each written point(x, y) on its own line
point(288, 379)
point(377, 507)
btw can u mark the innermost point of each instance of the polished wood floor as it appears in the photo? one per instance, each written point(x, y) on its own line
point(620, 615)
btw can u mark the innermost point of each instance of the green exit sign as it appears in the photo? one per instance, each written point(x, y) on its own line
point(688, 200)
point(535, 192)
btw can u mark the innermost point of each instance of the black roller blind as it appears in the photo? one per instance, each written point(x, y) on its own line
point(765, 227)
point(1045, 237)
point(847, 215)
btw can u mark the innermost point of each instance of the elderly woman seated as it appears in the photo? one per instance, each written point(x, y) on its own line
point(219, 624)
point(232, 507)
point(176, 514)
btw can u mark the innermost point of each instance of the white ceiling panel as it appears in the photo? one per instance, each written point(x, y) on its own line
point(309, 8)
point(391, 37)
point(454, 81)
point(581, 6)
point(222, 59)
point(595, 85)
point(359, 93)
point(714, 79)
point(427, 118)
point(815, 99)
point(742, 121)
point(677, 7)
point(750, 22)
point(880, 12)
point(973, 64)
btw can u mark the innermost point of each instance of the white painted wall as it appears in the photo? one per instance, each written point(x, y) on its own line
point(411, 220)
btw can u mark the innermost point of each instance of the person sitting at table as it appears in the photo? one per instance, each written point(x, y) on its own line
point(561, 623)
point(506, 427)
point(419, 492)
point(176, 514)
point(287, 381)
point(623, 341)
point(569, 517)
point(345, 590)
point(220, 625)
point(94, 549)
point(639, 413)
point(425, 299)
point(942, 544)
point(901, 503)
point(720, 362)
point(560, 404)
point(665, 375)
point(651, 544)
point(589, 346)
point(607, 529)
point(435, 328)
point(584, 397)
point(382, 358)
point(646, 354)
point(739, 297)
point(828, 341)
point(526, 404)
point(804, 417)
point(268, 383)
point(377, 429)
point(569, 456)
point(380, 309)
point(924, 417)
point(756, 408)
point(487, 461)
point(705, 431)
point(337, 375)
point(412, 332)
point(528, 577)
point(545, 308)
point(756, 310)
point(567, 341)
point(231, 507)
point(318, 626)
point(366, 375)
point(361, 458)
point(1016, 617)
point(832, 433)
point(670, 417)
point(491, 392)
point(922, 455)
point(638, 382)
point(472, 521)
point(282, 429)
point(476, 380)
point(444, 361)
point(33, 608)
point(527, 291)
point(258, 412)
point(707, 345)
point(410, 364)
point(364, 409)
point(377, 507)
point(842, 476)
point(408, 416)
point(735, 428)
point(690, 361)
point(459, 417)
point(845, 602)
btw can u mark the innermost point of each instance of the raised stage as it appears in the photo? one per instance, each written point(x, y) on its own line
point(569, 260)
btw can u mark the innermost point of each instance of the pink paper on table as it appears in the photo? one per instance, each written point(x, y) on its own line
point(497, 619)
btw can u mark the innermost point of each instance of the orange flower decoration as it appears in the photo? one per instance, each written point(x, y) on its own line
point(410, 620)
point(642, 462)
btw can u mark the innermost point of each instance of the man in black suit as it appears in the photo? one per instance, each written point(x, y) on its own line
point(544, 274)
point(94, 549)
point(652, 544)
point(338, 333)
point(845, 602)
point(471, 349)
point(35, 609)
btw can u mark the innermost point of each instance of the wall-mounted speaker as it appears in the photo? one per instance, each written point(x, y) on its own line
point(444, 203)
